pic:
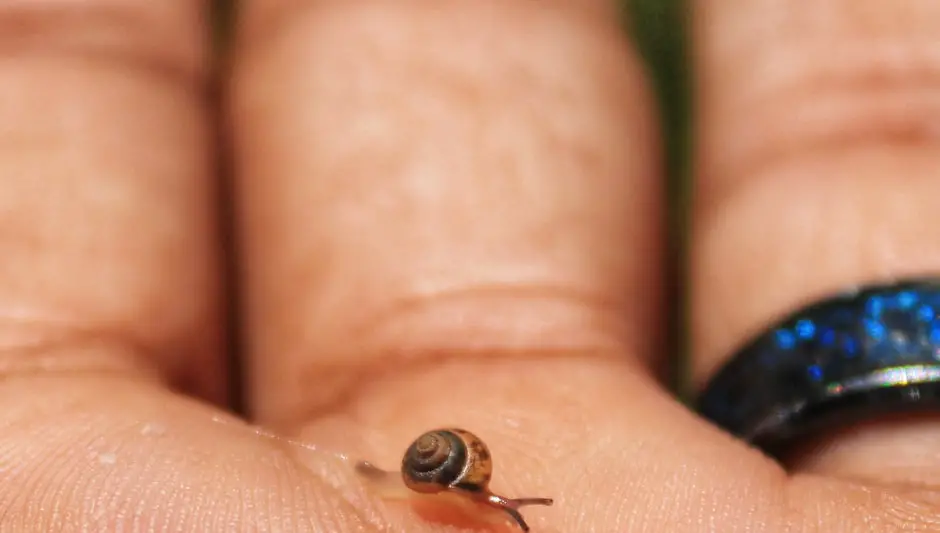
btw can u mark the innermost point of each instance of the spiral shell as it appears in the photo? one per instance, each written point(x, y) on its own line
point(445, 459)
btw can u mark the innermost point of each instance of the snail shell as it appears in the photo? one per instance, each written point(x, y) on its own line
point(447, 459)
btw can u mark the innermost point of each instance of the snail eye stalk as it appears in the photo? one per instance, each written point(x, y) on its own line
point(511, 506)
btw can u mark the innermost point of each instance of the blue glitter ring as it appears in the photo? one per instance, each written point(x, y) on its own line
point(871, 351)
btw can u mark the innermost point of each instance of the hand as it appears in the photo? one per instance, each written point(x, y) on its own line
point(446, 214)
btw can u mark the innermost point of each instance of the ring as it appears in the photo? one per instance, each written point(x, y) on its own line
point(866, 352)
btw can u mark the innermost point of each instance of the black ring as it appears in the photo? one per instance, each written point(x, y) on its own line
point(867, 352)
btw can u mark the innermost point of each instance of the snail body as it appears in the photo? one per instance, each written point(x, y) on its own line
point(455, 460)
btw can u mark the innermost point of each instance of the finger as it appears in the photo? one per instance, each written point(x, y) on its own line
point(372, 244)
point(142, 459)
point(106, 199)
point(450, 218)
point(818, 166)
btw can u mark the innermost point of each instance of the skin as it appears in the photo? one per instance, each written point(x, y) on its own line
point(447, 214)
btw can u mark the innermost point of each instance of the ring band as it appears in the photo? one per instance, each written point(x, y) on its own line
point(863, 353)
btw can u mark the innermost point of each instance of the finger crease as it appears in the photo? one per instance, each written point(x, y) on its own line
point(822, 113)
point(349, 386)
point(77, 353)
point(100, 35)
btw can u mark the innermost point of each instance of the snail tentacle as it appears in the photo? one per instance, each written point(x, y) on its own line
point(511, 506)
point(521, 502)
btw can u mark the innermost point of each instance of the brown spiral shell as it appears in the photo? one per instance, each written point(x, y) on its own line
point(446, 459)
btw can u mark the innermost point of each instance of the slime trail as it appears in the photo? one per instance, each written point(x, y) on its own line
point(382, 483)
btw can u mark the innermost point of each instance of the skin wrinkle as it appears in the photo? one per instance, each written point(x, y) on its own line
point(901, 508)
point(101, 33)
point(402, 341)
point(69, 348)
point(426, 303)
point(73, 351)
point(902, 136)
point(353, 389)
point(816, 118)
point(416, 347)
point(883, 130)
point(861, 506)
point(263, 19)
point(394, 325)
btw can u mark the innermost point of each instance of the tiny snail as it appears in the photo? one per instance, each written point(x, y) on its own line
point(455, 461)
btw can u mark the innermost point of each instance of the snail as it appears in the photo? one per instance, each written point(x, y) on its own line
point(454, 461)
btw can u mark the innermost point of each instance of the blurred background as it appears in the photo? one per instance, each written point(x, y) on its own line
point(660, 30)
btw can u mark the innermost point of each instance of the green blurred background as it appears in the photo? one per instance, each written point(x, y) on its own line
point(658, 28)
